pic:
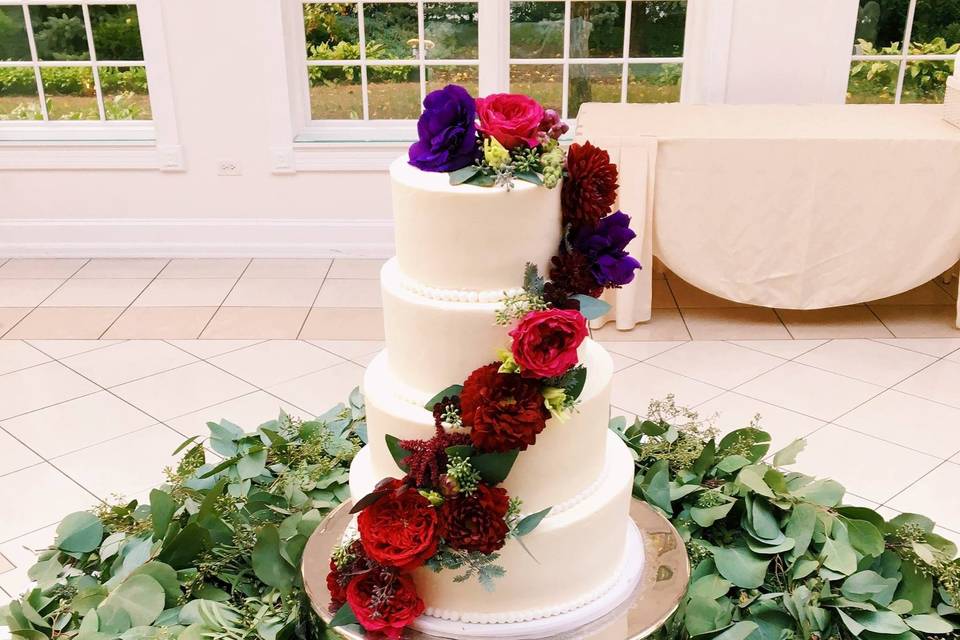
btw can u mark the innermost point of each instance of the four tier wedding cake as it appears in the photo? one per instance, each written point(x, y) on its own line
point(492, 500)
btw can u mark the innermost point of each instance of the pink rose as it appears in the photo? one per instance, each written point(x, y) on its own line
point(545, 342)
point(511, 118)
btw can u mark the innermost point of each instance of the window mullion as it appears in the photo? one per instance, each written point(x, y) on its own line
point(421, 51)
point(905, 50)
point(41, 94)
point(493, 27)
point(627, 17)
point(94, 69)
point(363, 62)
point(565, 75)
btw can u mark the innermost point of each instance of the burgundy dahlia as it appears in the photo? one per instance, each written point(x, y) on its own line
point(503, 410)
point(571, 274)
point(590, 188)
point(476, 522)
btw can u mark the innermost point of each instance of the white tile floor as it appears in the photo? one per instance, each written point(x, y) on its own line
point(881, 416)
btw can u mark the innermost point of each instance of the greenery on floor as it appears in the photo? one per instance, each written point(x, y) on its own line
point(215, 553)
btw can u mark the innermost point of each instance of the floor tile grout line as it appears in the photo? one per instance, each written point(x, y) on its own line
point(776, 312)
point(880, 320)
point(683, 319)
point(47, 297)
point(315, 298)
point(872, 436)
point(104, 345)
point(897, 346)
point(53, 404)
point(171, 341)
point(887, 502)
point(680, 343)
point(135, 298)
point(220, 306)
point(737, 341)
point(256, 386)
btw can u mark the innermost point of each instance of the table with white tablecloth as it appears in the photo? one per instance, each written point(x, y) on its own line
point(793, 207)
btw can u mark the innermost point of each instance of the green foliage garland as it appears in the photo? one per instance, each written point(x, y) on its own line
point(215, 553)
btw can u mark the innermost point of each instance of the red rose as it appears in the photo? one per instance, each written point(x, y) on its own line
point(401, 529)
point(476, 522)
point(384, 601)
point(511, 118)
point(545, 342)
point(503, 410)
point(590, 188)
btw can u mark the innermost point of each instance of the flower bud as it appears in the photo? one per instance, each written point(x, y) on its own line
point(495, 153)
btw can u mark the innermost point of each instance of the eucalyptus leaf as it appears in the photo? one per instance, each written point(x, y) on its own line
point(267, 562)
point(591, 308)
point(530, 522)
point(494, 467)
point(706, 516)
point(140, 596)
point(788, 455)
point(864, 537)
point(344, 616)
point(162, 508)
point(79, 532)
point(741, 566)
point(460, 176)
point(929, 623)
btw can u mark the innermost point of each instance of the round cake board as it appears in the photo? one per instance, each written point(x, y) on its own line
point(663, 582)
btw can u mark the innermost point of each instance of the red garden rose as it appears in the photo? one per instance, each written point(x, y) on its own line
point(545, 342)
point(384, 601)
point(590, 188)
point(503, 410)
point(513, 119)
point(338, 593)
point(401, 529)
point(476, 522)
point(340, 576)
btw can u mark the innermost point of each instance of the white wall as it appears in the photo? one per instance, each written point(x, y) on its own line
point(223, 67)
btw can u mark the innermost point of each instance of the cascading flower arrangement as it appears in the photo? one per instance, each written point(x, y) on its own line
point(448, 511)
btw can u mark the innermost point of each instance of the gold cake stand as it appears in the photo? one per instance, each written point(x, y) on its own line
point(663, 584)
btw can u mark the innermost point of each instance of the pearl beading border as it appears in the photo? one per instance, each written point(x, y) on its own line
point(455, 295)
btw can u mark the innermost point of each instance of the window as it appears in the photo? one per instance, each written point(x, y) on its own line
point(575, 51)
point(376, 60)
point(372, 61)
point(885, 70)
point(72, 62)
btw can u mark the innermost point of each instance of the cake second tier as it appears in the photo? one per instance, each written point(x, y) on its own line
point(564, 465)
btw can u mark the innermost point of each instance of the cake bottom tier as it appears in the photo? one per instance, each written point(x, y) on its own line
point(575, 555)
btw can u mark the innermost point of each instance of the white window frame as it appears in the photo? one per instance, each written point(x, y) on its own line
point(354, 145)
point(905, 57)
point(99, 144)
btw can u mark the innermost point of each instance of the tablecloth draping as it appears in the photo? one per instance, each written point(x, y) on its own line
point(795, 207)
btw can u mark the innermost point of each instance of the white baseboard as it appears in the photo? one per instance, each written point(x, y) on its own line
point(191, 237)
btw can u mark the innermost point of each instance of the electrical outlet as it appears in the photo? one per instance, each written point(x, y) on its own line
point(228, 168)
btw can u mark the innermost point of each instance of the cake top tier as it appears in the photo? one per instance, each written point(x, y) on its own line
point(471, 239)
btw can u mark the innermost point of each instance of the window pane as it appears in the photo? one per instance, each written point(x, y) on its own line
point(13, 34)
point(536, 29)
point(593, 83)
point(873, 82)
point(657, 29)
point(937, 19)
point(391, 31)
point(59, 32)
point(70, 93)
point(331, 31)
point(596, 29)
point(116, 32)
point(654, 82)
point(335, 93)
point(542, 82)
point(18, 94)
point(125, 95)
point(467, 77)
point(926, 80)
point(881, 25)
point(450, 29)
point(393, 93)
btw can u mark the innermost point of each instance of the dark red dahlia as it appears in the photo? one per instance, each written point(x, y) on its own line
point(340, 576)
point(384, 601)
point(570, 274)
point(428, 458)
point(590, 188)
point(477, 522)
point(503, 410)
